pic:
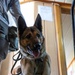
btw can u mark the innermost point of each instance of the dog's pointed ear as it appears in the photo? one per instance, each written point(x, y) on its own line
point(21, 25)
point(38, 22)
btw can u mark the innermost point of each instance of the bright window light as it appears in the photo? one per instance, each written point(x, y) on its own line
point(21, 0)
point(28, 13)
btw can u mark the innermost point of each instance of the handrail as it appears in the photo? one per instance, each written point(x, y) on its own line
point(47, 1)
point(71, 63)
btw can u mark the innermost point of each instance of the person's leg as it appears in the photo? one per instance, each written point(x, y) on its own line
point(3, 48)
point(3, 41)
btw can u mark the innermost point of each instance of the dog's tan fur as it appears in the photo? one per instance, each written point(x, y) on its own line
point(34, 63)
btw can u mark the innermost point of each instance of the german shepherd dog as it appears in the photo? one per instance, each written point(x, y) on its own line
point(35, 59)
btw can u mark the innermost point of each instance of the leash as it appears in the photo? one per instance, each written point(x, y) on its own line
point(16, 60)
point(20, 54)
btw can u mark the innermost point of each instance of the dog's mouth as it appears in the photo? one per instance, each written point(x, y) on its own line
point(35, 52)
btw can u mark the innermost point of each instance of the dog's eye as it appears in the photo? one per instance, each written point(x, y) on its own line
point(38, 35)
point(28, 36)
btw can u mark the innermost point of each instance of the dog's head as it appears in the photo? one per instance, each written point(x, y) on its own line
point(31, 38)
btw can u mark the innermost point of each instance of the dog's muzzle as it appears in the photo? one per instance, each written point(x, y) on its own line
point(34, 53)
point(37, 46)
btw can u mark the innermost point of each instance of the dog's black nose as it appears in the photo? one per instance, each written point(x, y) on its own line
point(37, 46)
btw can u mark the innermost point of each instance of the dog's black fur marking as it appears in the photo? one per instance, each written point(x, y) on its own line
point(38, 23)
point(21, 25)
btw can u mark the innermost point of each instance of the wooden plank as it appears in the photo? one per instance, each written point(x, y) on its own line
point(71, 63)
point(59, 0)
point(48, 1)
point(61, 53)
point(51, 43)
point(65, 8)
point(68, 1)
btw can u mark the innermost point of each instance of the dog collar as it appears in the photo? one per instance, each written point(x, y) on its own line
point(24, 53)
